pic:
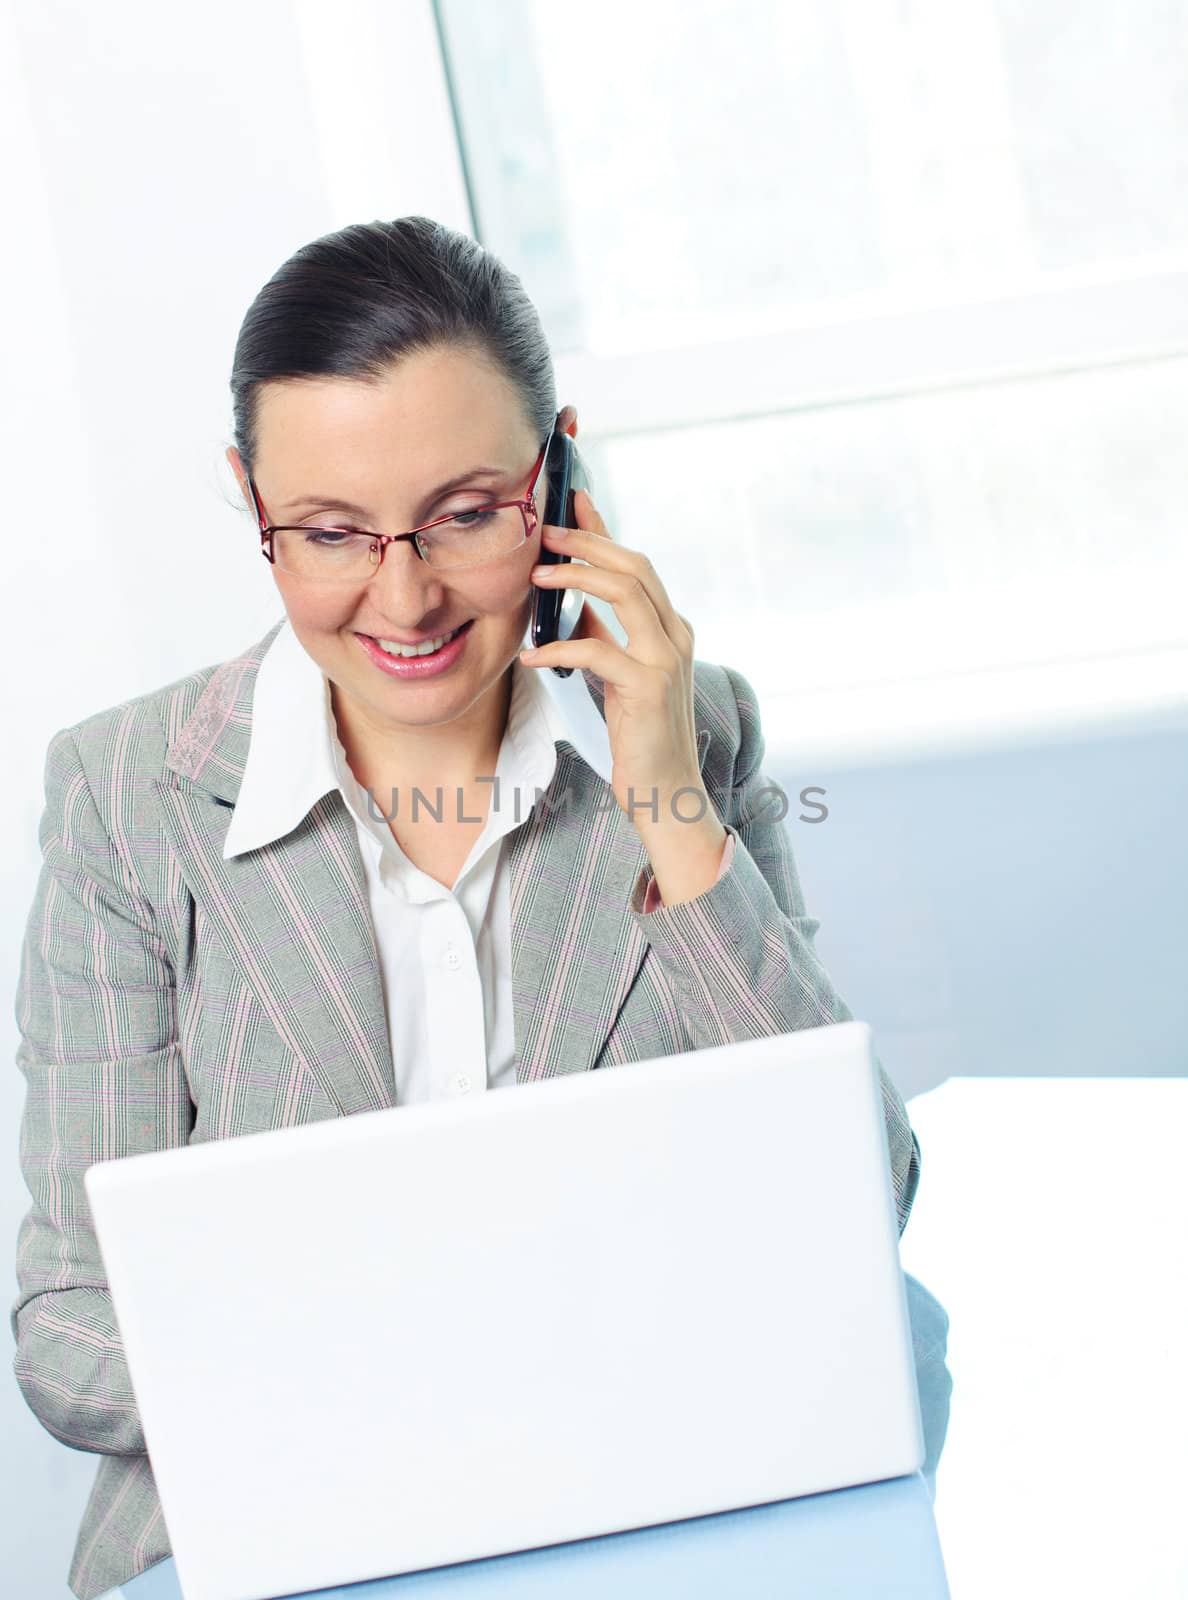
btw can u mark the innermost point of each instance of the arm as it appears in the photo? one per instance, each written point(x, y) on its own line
point(96, 1008)
point(741, 956)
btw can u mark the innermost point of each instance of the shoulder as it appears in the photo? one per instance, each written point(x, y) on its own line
point(726, 713)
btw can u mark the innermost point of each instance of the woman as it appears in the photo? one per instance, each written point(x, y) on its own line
point(246, 919)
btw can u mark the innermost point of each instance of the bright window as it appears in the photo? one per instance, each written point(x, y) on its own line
point(871, 313)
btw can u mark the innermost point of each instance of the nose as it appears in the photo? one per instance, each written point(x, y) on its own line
point(404, 588)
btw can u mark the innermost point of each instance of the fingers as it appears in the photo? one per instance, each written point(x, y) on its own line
point(646, 636)
point(641, 680)
point(591, 541)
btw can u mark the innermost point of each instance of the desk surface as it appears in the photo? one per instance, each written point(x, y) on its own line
point(1050, 1222)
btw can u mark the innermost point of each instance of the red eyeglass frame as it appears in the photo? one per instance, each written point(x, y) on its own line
point(526, 507)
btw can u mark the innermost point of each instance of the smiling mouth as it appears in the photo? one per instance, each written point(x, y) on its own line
point(425, 647)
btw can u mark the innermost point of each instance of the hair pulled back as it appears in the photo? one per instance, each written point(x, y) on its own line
point(353, 302)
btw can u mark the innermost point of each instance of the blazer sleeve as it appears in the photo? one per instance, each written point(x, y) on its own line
point(99, 1050)
point(741, 956)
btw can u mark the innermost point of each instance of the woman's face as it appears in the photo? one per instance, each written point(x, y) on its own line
point(386, 448)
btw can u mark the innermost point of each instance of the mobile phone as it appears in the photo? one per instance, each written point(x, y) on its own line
point(556, 612)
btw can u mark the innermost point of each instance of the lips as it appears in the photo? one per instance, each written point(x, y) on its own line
point(422, 666)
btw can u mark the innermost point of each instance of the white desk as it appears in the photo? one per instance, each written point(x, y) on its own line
point(1052, 1223)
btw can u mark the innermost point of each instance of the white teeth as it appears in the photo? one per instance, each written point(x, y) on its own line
point(426, 649)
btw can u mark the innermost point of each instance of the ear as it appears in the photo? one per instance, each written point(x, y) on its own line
point(568, 421)
point(237, 468)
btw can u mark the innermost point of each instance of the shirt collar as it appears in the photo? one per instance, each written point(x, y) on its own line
point(291, 753)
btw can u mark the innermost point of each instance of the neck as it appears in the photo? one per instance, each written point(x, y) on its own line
point(453, 753)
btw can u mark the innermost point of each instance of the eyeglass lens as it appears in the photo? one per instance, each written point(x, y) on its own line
point(334, 555)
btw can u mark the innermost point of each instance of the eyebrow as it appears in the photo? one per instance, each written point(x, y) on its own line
point(330, 503)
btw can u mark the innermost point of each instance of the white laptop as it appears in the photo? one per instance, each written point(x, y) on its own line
point(426, 1335)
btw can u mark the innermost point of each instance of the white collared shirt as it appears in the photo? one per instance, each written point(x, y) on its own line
point(444, 954)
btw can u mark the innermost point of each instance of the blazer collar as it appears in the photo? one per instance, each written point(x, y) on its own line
point(211, 748)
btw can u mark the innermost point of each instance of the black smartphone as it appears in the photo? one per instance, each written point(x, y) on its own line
point(556, 612)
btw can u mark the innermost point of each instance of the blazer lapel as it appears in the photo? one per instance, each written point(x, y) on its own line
point(575, 951)
point(294, 915)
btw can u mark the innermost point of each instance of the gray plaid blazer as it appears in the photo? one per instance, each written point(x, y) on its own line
point(168, 996)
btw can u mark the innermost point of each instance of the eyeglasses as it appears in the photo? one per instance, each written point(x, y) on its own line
point(348, 556)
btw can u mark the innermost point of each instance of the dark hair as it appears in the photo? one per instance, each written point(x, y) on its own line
point(352, 302)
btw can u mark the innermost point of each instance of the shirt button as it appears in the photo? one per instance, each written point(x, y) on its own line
point(462, 1083)
point(452, 959)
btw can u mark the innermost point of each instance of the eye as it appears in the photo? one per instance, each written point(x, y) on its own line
point(472, 519)
point(330, 538)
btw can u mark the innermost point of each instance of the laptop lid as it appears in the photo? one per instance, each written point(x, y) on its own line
point(407, 1338)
